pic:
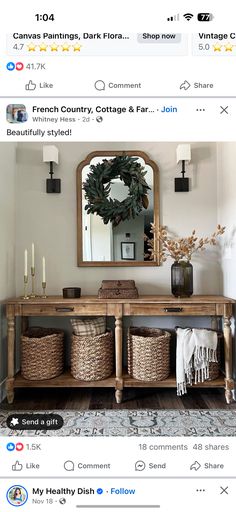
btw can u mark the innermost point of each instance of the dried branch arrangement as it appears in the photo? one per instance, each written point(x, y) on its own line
point(179, 248)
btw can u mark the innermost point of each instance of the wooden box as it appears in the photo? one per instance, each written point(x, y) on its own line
point(120, 284)
point(120, 289)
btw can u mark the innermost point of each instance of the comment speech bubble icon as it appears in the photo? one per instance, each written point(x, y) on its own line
point(69, 465)
point(100, 85)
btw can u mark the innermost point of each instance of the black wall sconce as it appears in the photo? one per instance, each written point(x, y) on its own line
point(183, 153)
point(50, 154)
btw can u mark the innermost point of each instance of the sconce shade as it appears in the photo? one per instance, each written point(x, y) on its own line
point(50, 154)
point(53, 186)
point(181, 184)
point(183, 152)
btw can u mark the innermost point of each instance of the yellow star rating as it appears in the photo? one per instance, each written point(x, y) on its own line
point(31, 47)
point(65, 47)
point(54, 47)
point(77, 47)
point(217, 47)
point(228, 47)
point(43, 47)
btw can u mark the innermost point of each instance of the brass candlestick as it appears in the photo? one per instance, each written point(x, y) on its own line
point(44, 296)
point(32, 295)
point(25, 288)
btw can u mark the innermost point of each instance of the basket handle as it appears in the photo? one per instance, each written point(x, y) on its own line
point(173, 310)
point(65, 310)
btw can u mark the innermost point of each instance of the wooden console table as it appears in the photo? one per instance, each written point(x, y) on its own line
point(201, 305)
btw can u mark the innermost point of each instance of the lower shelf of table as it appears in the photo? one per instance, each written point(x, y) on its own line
point(170, 382)
point(66, 380)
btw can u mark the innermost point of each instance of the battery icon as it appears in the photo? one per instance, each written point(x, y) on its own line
point(205, 16)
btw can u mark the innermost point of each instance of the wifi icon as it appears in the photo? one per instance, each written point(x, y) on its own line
point(188, 16)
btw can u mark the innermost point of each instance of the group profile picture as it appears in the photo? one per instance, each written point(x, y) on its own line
point(17, 495)
point(16, 113)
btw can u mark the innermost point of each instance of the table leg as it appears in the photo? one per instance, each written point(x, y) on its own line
point(118, 354)
point(11, 357)
point(229, 382)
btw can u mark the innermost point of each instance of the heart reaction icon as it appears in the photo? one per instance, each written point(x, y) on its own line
point(19, 66)
point(19, 447)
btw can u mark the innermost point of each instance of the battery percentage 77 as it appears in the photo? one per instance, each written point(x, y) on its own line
point(205, 16)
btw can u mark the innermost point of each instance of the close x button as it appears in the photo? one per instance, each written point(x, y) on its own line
point(224, 490)
point(224, 110)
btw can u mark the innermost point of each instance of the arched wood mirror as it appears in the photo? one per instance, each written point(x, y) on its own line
point(115, 212)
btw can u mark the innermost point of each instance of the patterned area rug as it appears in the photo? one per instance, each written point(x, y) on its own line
point(134, 423)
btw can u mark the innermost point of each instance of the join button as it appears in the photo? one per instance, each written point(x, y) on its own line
point(168, 109)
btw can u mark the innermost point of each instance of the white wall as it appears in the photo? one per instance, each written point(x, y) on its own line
point(7, 237)
point(7, 220)
point(50, 220)
point(227, 214)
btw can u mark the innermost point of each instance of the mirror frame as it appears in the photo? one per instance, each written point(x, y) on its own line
point(79, 170)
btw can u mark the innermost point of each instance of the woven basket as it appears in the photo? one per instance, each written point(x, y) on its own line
point(214, 368)
point(42, 353)
point(92, 357)
point(148, 353)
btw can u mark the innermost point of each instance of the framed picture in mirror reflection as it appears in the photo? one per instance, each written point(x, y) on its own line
point(127, 250)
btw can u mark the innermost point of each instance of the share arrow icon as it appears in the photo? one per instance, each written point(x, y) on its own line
point(196, 465)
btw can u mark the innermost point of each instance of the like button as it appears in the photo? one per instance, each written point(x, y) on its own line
point(17, 466)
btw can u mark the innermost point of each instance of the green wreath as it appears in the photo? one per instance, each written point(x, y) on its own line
point(97, 188)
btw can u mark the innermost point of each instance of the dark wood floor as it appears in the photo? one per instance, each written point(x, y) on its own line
point(83, 399)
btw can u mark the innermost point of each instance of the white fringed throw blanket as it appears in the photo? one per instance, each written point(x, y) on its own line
point(196, 348)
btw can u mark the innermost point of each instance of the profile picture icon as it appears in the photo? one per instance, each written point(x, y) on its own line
point(17, 495)
point(16, 113)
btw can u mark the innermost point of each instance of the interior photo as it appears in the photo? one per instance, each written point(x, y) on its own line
point(118, 284)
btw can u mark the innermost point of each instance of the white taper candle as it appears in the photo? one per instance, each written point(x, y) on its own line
point(44, 270)
point(32, 255)
point(26, 263)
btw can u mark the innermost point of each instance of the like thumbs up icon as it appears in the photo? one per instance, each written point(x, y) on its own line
point(17, 466)
point(30, 86)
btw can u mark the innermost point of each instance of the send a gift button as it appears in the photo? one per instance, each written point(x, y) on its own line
point(35, 421)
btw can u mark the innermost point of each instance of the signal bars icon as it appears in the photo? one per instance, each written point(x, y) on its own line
point(173, 18)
